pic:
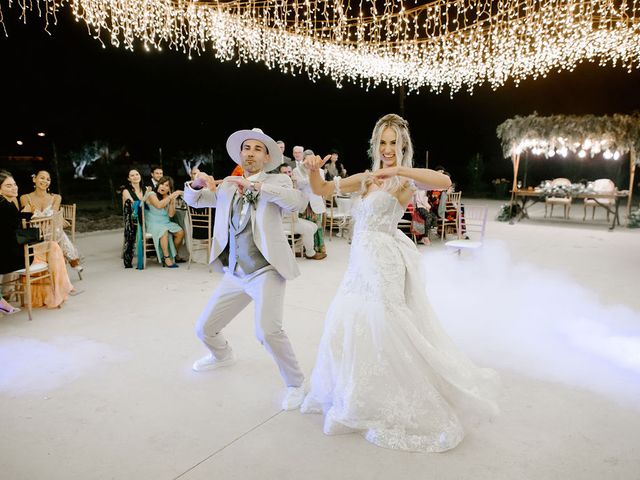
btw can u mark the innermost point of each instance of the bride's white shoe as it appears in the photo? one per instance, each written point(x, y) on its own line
point(332, 427)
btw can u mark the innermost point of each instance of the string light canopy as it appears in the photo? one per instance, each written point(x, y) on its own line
point(458, 44)
point(610, 137)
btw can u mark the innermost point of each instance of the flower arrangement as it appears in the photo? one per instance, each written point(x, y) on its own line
point(508, 211)
point(634, 219)
point(547, 189)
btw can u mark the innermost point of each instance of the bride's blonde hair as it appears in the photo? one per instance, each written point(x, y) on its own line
point(404, 148)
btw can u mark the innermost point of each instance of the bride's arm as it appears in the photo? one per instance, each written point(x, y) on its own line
point(428, 179)
point(324, 188)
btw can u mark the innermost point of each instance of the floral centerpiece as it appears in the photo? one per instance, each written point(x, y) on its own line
point(549, 190)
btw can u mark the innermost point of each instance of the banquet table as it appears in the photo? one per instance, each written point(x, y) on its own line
point(524, 198)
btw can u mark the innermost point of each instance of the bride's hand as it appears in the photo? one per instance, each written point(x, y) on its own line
point(315, 163)
point(385, 173)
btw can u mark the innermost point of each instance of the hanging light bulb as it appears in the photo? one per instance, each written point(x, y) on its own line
point(563, 151)
point(551, 152)
point(607, 154)
point(616, 155)
point(582, 154)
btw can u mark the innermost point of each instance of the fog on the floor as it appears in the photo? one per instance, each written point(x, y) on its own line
point(32, 366)
point(539, 322)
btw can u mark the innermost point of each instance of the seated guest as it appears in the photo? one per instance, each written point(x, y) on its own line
point(316, 209)
point(303, 227)
point(12, 257)
point(41, 203)
point(6, 308)
point(438, 201)
point(11, 254)
point(422, 208)
point(285, 160)
point(156, 174)
point(167, 235)
point(334, 167)
point(132, 203)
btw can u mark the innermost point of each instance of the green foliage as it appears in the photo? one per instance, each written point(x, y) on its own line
point(620, 132)
point(634, 219)
point(507, 212)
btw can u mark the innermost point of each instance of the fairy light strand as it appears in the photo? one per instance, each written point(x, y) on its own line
point(455, 44)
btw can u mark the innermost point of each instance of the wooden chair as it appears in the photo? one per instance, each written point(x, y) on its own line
point(602, 185)
point(404, 225)
point(475, 222)
point(147, 243)
point(452, 206)
point(294, 239)
point(564, 200)
point(337, 217)
point(201, 220)
point(69, 214)
point(33, 271)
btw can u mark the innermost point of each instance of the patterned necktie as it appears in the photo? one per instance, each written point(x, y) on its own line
point(238, 203)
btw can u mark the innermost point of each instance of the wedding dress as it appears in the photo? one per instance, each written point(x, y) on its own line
point(385, 367)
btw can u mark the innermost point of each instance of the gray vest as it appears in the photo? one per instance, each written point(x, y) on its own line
point(242, 250)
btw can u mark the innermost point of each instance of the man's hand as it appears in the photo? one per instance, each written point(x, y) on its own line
point(204, 180)
point(241, 183)
point(315, 163)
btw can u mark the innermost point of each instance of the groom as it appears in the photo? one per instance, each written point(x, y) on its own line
point(250, 247)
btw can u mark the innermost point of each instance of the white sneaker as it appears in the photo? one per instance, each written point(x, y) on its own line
point(210, 363)
point(293, 398)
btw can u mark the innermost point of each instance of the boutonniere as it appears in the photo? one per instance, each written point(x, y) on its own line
point(250, 196)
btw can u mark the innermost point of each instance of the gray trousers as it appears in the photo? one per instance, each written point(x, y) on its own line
point(230, 298)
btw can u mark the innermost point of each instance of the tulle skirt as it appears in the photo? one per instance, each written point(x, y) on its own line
point(385, 367)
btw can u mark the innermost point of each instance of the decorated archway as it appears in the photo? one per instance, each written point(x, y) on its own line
point(607, 137)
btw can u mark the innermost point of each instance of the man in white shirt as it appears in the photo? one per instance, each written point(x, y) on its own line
point(305, 228)
point(317, 207)
point(297, 155)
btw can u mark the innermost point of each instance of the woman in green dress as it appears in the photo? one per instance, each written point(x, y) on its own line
point(167, 235)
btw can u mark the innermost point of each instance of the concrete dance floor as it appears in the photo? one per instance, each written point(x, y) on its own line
point(103, 389)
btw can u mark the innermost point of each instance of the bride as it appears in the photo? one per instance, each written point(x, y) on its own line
point(385, 366)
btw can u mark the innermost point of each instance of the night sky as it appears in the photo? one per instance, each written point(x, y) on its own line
point(69, 86)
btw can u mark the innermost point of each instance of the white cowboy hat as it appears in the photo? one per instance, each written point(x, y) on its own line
point(236, 139)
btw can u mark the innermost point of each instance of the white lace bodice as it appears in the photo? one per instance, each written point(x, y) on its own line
point(378, 211)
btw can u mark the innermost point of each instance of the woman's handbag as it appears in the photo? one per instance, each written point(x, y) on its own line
point(27, 236)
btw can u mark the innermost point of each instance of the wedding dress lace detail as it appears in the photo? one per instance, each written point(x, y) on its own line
point(385, 367)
